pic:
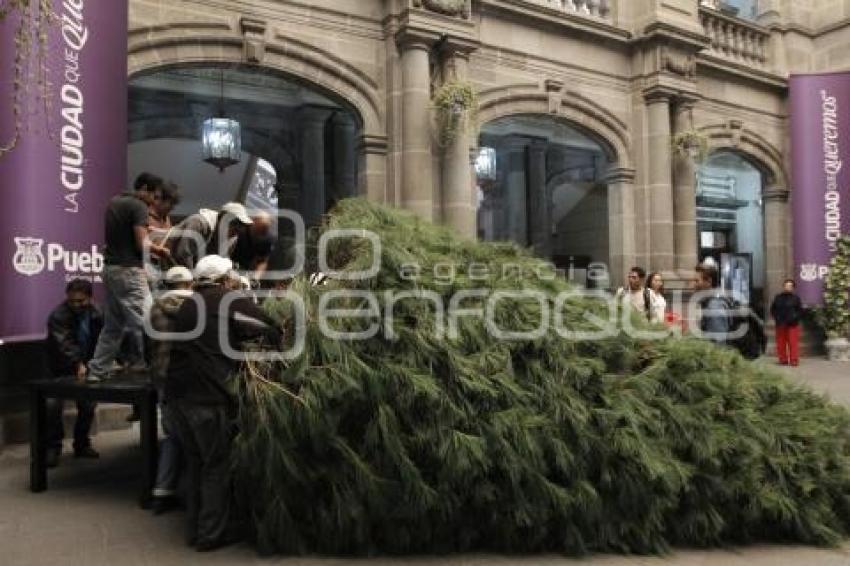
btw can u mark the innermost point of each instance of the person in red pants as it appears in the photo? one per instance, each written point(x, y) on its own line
point(787, 310)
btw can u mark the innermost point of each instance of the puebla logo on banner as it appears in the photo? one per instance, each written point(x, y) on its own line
point(30, 259)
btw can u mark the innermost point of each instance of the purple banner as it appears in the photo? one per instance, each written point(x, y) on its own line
point(69, 160)
point(820, 144)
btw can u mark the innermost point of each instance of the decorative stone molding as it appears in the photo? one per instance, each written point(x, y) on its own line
point(774, 194)
point(555, 90)
point(254, 39)
point(453, 8)
point(658, 94)
point(736, 128)
point(376, 145)
point(620, 175)
point(678, 63)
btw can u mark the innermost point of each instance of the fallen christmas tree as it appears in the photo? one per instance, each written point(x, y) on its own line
point(434, 444)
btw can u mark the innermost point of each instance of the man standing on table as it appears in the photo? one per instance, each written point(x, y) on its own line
point(127, 292)
point(72, 332)
point(198, 389)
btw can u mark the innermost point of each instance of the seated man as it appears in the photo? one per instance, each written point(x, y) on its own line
point(72, 331)
point(198, 388)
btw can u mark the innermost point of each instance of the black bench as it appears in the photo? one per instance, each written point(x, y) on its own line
point(125, 390)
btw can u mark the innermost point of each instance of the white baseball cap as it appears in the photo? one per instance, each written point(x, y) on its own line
point(238, 211)
point(212, 267)
point(178, 274)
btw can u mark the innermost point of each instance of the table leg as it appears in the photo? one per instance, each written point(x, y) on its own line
point(38, 440)
point(150, 454)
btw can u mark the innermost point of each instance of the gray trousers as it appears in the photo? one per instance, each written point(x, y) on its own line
point(170, 456)
point(128, 299)
point(206, 435)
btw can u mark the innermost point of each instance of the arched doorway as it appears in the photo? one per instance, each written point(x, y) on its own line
point(730, 223)
point(297, 134)
point(541, 183)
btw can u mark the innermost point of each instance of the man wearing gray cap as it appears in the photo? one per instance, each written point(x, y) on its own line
point(178, 281)
point(198, 387)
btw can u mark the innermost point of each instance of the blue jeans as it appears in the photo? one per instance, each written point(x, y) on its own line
point(128, 299)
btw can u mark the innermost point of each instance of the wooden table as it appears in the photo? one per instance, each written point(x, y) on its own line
point(125, 390)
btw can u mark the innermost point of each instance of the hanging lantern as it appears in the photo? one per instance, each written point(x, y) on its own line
point(222, 142)
point(485, 167)
point(222, 137)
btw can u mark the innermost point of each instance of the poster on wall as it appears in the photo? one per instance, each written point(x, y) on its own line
point(67, 108)
point(820, 154)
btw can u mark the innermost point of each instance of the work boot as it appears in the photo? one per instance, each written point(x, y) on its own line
point(52, 459)
point(162, 505)
point(86, 452)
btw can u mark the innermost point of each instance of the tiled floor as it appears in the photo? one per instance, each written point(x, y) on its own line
point(90, 517)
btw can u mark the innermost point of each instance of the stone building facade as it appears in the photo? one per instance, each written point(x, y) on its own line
point(628, 75)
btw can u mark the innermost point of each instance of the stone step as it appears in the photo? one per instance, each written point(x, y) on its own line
point(14, 427)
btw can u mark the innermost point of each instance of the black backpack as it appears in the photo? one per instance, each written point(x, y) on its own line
point(744, 329)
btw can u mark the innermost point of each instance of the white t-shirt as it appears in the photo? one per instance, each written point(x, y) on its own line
point(658, 307)
point(635, 299)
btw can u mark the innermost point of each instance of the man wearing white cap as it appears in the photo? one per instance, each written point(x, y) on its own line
point(208, 232)
point(198, 387)
point(179, 281)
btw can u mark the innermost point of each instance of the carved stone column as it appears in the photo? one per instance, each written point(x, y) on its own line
point(659, 183)
point(417, 178)
point(621, 223)
point(458, 195)
point(312, 198)
point(372, 172)
point(539, 201)
point(515, 195)
point(776, 251)
point(345, 156)
point(684, 196)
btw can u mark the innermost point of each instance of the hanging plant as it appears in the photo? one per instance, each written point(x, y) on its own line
point(691, 144)
point(34, 18)
point(456, 103)
point(834, 316)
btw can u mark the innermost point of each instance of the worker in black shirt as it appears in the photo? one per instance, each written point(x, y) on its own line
point(198, 387)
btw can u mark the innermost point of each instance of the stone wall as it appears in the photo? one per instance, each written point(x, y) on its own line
point(632, 76)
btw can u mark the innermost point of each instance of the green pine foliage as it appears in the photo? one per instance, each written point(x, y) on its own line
point(428, 444)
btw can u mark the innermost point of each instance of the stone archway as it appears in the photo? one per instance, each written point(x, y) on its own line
point(309, 138)
point(735, 138)
point(550, 100)
point(180, 43)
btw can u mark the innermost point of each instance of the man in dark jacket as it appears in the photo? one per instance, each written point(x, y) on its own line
point(715, 318)
point(163, 316)
point(198, 387)
point(787, 310)
point(72, 332)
